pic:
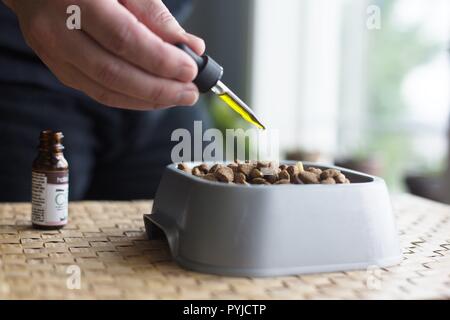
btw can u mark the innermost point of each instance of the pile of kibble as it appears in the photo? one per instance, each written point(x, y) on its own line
point(265, 173)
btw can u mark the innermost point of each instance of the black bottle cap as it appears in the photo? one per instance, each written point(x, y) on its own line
point(209, 71)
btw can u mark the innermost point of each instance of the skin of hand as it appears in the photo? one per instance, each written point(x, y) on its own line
point(123, 55)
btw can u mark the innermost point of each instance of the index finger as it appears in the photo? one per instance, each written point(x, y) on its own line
point(120, 32)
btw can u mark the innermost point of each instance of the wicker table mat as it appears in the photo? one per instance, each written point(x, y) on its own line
point(106, 243)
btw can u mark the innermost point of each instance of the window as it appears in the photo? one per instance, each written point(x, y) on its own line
point(331, 84)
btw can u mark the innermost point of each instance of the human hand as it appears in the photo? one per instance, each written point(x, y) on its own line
point(123, 55)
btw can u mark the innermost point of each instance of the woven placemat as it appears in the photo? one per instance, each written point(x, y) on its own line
point(104, 254)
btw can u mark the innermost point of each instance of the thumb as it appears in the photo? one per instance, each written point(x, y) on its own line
point(155, 15)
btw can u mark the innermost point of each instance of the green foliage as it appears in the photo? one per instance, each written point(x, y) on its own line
point(223, 116)
point(392, 54)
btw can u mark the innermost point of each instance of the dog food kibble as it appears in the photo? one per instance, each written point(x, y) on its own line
point(283, 181)
point(245, 168)
point(293, 170)
point(203, 168)
point(210, 177)
point(263, 164)
point(234, 167)
point(184, 167)
point(296, 180)
point(240, 178)
point(340, 178)
point(224, 174)
point(316, 171)
point(284, 175)
point(271, 178)
point(329, 173)
point(197, 172)
point(259, 181)
point(214, 168)
point(255, 173)
point(265, 173)
point(308, 177)
point(328, 181)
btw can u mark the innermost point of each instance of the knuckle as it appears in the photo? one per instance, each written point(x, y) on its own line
point(121, 39)
point(157, 93)
point(159, 59)
point(164, 16)
point(108, 73)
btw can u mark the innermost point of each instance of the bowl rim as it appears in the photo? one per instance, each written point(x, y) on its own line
point(373, 179)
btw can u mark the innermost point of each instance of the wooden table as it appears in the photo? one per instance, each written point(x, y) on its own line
point(105, 242)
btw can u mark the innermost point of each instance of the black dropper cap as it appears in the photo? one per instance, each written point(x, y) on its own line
point(209, 71)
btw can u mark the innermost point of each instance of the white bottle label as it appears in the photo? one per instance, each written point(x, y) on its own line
point(50, 193)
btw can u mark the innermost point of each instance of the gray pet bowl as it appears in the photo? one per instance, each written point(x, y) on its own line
point(274, 230)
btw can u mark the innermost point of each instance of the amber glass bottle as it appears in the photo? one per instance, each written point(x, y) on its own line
point(50, 183)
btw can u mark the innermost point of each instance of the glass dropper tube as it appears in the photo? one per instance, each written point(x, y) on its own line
point(208, 78)
point(235, 103)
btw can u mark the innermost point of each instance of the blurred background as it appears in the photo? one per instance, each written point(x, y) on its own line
point(363, 84)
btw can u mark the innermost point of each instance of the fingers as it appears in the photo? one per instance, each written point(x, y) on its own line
point(72, 77)
point(121, 76)
point(91, 60)
point(155, 15)
point(119, 31)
